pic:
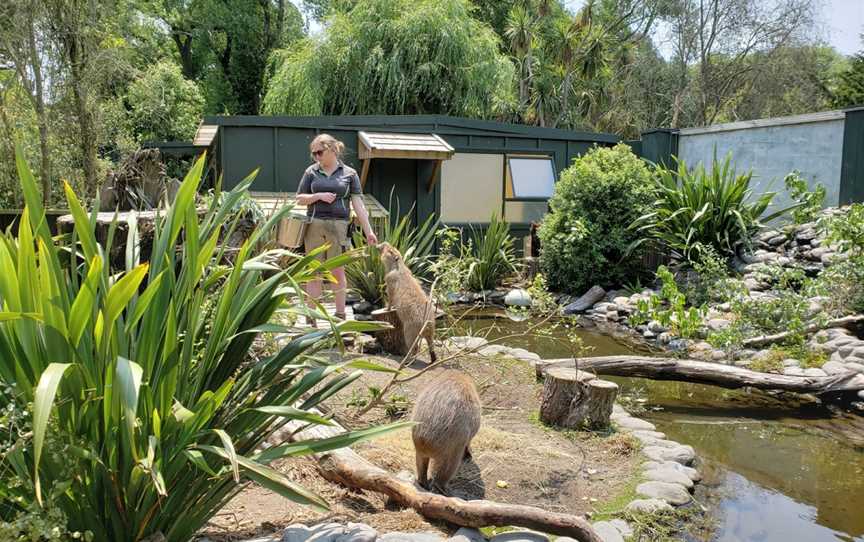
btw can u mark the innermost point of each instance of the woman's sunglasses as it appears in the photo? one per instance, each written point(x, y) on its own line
point(318, 153)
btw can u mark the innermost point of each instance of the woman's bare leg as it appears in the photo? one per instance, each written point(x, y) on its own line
point(313, 293)
point(339, 289)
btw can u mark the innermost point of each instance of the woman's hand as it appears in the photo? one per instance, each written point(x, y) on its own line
point(326, 197)
point(371, 238)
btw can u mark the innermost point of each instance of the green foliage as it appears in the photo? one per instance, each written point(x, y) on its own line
point(849, 84)
point(843, 284)
point(394, 57)
point(164, 106)
point(585, 236)
point(847, 229)
point(489, 255)
point(669, 308)
point(448, 267)
point(144, 377)
point(810, 201)
point(710, 277)
point(772, 362)
point(366, 274)
point(716, 209)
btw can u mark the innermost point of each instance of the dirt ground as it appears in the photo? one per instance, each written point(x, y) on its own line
point(515, 458)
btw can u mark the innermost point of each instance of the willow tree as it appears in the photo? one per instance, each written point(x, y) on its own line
point(395, 57)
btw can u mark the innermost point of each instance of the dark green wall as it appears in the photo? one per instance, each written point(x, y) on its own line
point(279, 147)
point(852, 166)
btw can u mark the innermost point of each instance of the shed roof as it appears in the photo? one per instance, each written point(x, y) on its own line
point(402, 145)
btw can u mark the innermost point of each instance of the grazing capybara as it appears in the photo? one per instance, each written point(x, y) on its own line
point(404, 295)
point(447, 413)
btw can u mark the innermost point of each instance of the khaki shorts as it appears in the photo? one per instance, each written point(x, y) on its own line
point(331, 232)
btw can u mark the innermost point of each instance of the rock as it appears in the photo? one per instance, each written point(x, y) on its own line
point(648, 334)
point(670, 476)
point(325, 532)
point(633, 424)
point(793, 371)
point(657, 327)
point(678, 345)
point(468, 535)
point(358, 532)
point(834, 368)
point(861, 394)
point(621, 302)
point(640, 433)
point(671, 493)
point(857, 367)
point(777, 240)
point(680, 454)
point(604, 307)
point(689, 472)
point(363, 307)
point(517, 298)
point(718, 324)
point(622, 526)
point(524, 355)
point(647, 506)
point(805, 235)
point(496, 350)
point(607, 532)
point(588, 299)
point(753, 285)
point(468, 343)
point(363, 317)
point(790, 362)
point(410, 537)
point(519, 536)
point(814, 372)
point(665, 338)
point(858, 351)
point(496, 296)
point(718, 355)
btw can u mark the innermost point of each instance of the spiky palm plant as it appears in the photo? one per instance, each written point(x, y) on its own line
point(140, 382)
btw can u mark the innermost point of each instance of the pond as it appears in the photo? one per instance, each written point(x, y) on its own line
point(775, 469)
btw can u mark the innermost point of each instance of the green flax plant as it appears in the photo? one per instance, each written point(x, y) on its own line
point(491, 255)
point(693, 208)
point(148, 413)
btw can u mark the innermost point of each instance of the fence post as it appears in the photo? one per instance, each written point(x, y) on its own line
point(659, 146)
point(852, 166)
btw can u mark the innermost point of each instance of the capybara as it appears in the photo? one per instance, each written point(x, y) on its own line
point(404, 295)
point(447, 413)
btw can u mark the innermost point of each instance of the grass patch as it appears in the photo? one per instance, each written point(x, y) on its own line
point(614, 507)
point(770, 363)
point(660, 526)
point(773, 361)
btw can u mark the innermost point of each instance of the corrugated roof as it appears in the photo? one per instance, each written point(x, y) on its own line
point(205, 134)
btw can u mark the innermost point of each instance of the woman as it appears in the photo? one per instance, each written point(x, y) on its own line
point(326, 189)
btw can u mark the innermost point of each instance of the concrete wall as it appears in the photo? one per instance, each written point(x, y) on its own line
point(771, 148)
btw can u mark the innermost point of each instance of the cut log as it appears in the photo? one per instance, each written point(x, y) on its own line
point(346, 467)
point(714, 374)
point(576, 399)
point(392, 340)
point(588, 299)
point(765, 340)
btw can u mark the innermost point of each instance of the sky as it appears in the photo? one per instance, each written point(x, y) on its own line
point(841, 22)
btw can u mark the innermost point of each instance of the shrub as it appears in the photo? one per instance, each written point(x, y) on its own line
point(810, 202)
point(696, 207)
point(164, 105)
point(669, 308)
point(490, 255)
point(366, 274)
point(145, 377)
point(585, 236)
point(847, 229)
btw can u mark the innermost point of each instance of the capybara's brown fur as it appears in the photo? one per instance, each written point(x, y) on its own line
point(447, 413)
point(404, 295)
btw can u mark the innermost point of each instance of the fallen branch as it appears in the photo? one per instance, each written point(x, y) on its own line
point(715, 374)
point(346, 467)
point(765, 340)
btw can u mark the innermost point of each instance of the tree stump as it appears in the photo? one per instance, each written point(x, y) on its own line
point(576, 399)
point(391, 340)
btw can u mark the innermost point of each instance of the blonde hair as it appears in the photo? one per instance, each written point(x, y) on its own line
point(327, 141)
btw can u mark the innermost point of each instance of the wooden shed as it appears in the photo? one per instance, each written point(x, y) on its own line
point(463, 170)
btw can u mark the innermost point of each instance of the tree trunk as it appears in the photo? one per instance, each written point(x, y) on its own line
point(345, 467)
point(575, 399)
point(391, 340)
point(87, 140)
point(765, 340)
point(714, 374)
point(41, 116)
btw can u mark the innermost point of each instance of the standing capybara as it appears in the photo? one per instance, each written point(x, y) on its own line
point(404, 295)
point(447, 413)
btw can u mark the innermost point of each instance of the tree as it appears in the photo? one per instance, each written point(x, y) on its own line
point(717, 37)
point(849, 89)
point(22, 44)
point(395, 57)
point(164, 106)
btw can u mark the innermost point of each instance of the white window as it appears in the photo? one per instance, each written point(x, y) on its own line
point(531, 178)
